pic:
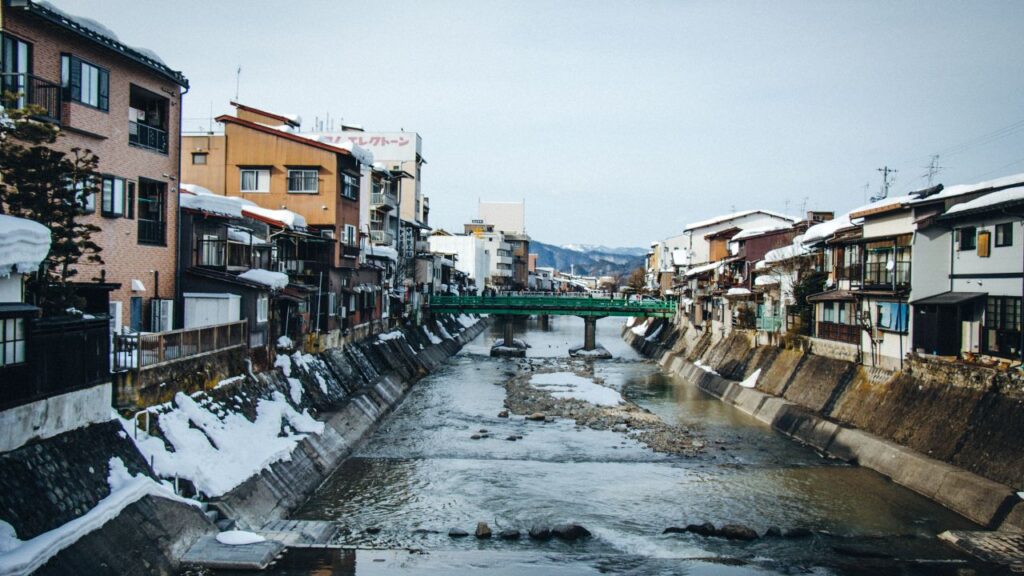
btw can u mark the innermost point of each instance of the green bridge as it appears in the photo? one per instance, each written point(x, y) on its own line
point(590, 309)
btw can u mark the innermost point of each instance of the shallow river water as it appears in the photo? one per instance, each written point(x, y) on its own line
point(421, 474)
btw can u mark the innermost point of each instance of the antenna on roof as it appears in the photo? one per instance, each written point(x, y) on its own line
point(933, 169)
point(886, 182)
point(238, 79)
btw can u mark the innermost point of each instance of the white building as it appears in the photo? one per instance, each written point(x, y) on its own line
point(471, 258)
point(692, 248)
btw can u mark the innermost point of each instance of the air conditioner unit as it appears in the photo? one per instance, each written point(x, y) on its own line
point(161, 315)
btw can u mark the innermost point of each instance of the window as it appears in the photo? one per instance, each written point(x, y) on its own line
point(199, 158)
point(303, 181)
point(332, 305)
point(984, 244)
point(350, 235)
point(967, 238)
point(350, 186)
point(1004, 234)
point(15, 63)
point(152, 221)
point(86, 197)
point(1002, 325)
point(255, 179)
point(262, 308)
point(892, 316)
point(113, 201)
point(147, 119)
point(12, 341)
point(85, 82)
point(211, 251)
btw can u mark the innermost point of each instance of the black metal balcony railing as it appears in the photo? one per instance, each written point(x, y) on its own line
point(878, 275)
point(29, 90)
point(152, 232)
point(147, 137)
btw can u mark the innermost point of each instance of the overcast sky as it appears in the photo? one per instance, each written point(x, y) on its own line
point(619, 122)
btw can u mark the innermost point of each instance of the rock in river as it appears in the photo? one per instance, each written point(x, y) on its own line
point(537, 416)
point(705, 529)
point(458, 533)
point(509, 534)
point(737, 532)
point(570, 532)
point(483, 530)
point(799, 533)
point(503, 414)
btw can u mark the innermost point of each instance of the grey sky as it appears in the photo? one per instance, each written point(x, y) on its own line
point(618, 122)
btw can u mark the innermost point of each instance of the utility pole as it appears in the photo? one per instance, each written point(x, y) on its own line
point(886, 182)
point(238, 77)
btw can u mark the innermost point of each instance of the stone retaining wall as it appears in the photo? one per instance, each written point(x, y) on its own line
point(950, 432)
point(49, 482)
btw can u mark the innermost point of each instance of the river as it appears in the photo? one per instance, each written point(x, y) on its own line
point(421, 473)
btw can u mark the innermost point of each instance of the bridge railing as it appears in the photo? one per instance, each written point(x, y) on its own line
point(551, 302)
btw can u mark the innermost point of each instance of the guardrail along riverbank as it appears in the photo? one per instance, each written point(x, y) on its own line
point(949, 432)
point(132, 496)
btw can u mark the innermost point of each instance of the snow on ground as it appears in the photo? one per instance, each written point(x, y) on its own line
point(704, 367)
point(23, 245)
point(444, 333)
point(239, 538)
point(751, 381)
point(393, 335)
point(284, 363)
point(24, 557)
point(240, 448)
point(275, 280)
point(433, 337)
point(466, 321)
point(229, 381)
point(654, 335)
point(641, 328)
point(285, 342)
point(568, 385)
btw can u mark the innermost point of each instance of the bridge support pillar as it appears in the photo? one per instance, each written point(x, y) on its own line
point(544, 321)
point(590, 348)
point(509, 347)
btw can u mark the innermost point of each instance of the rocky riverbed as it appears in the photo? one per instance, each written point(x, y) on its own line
point(538, 403)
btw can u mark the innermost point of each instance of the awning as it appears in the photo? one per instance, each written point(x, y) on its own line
point(950, 298)
point(832, 296)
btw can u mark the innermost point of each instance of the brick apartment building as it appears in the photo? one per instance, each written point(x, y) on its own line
point(124, 104)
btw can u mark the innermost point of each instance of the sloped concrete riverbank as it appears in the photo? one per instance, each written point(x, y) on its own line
point(921, 428)
point(65, 498)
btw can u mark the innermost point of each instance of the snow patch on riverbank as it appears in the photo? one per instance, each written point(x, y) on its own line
point(24, 557)
point(216, 453)
point(567, 385)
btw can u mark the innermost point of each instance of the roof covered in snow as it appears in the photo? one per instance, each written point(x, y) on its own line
point(23, 245)
point(995, 200)
point(734, 216)
point(199, 199)
point(100, 34)
point(794, 250)
point(751, 232)
point(825, 230)
point(1012, 181)
point(273, 280)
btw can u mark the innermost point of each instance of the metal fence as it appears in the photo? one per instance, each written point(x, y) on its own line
point(140, 351)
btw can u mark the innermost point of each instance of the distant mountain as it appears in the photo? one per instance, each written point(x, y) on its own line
point(588, 260)
point(594, 248)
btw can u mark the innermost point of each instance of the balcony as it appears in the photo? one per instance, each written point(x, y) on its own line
point(32, 90)
point(849, 333)
point(147, 137)
point(383, 201)
point(380, 237)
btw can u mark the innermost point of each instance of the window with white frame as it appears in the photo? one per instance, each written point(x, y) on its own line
point(255, 179)
point(332, 305)
point(303, 181)
point(262, 308)
point(12, 341)
point(113, 197)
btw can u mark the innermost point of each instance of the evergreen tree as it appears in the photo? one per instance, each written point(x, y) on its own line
point(50, 187)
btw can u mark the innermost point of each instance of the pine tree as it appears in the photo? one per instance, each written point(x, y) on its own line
point(49, 187)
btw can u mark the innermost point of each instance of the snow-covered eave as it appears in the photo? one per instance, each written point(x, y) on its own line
point(1011, 181)
point(1011, 199)
point(727, 217)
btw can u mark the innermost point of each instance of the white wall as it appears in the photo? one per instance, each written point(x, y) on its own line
point(469, 254)
point(1002, 259)
point(54, 415)
point(10, 288)
point(693, 240)
point(929, 263)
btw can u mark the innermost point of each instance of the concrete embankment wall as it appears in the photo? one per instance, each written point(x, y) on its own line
point(952, 433)
point(47, 483)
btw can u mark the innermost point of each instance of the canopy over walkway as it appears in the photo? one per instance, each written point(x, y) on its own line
point(526, 305)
